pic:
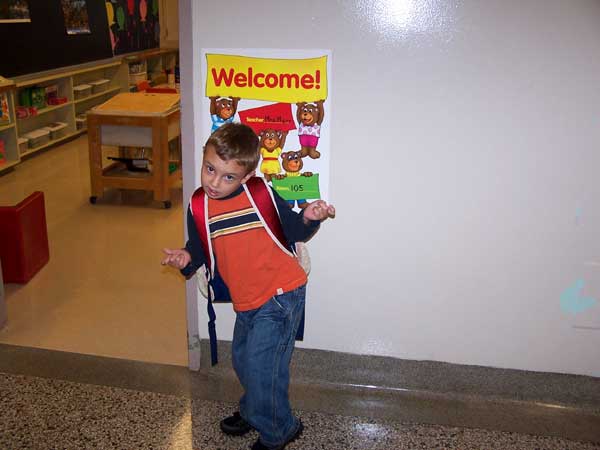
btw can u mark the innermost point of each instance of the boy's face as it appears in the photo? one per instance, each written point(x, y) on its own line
point(220, 178)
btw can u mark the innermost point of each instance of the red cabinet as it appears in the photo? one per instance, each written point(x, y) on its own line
point(23, 239)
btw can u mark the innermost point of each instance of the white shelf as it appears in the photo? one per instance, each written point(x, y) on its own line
point(99, 94)
point(48, 144)
point(9, 164)
point(71, 110)
point(45, 110)
point(7, 127)
point(51, 75)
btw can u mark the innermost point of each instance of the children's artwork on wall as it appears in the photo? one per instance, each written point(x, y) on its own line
point(133, 25)
point(12, 11)
point(76, 16)
point(282, 95)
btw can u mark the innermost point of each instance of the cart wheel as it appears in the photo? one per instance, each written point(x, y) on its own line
point(93, 199)
point(167, 204)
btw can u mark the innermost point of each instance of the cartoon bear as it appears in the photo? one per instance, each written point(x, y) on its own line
point(222, 110)
point(271, 144)
point(292, 164)
point(310, 117)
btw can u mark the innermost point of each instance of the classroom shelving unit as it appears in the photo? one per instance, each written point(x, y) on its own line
point(116, 70)
point(8, 131)
point(151, 65)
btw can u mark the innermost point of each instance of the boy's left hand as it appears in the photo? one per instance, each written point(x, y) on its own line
point(318, 210)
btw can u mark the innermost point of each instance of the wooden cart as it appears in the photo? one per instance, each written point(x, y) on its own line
point(131, 128)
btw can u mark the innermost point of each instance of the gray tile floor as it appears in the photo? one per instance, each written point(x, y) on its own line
point(53, 400)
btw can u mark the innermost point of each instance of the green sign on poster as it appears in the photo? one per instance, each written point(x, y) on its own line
point(298, 188)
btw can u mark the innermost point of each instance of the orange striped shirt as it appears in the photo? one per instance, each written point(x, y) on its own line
point(249, 261)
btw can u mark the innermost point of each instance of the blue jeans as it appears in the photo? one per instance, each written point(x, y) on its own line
point(263, 343)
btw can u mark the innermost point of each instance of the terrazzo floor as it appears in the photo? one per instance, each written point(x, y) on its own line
point(40, 413)
point(334, 432)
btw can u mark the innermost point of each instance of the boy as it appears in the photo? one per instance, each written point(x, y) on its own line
point(267, 285)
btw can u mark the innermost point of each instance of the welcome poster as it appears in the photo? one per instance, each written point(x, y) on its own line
point(283, 95)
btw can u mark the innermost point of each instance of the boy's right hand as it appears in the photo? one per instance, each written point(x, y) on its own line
point(178, 258)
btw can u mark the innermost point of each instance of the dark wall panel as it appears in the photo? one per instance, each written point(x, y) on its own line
point(44, 44)
point(131, 32)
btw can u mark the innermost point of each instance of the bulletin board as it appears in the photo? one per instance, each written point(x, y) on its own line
point(43, 43)
point(49, 40)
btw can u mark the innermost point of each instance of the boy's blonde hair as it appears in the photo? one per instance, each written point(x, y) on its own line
point(238, 142)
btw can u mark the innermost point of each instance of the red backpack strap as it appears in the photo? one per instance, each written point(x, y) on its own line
point(262, 199)
point(198, 205)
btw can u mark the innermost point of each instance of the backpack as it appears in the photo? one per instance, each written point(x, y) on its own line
point(210, 283)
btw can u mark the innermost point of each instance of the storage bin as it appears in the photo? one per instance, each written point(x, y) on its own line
point(82, 91)
point(138, 67)
point(22, 112)
point(57, 130)
point(25, 97)
point(135, 78)
point(38, 97)
point(81, 121)
point(51, 92)
point(38, 137)
point(23, 144)
point(33, 97)
point(99, 85)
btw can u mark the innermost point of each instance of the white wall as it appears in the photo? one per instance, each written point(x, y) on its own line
point(466, 152)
